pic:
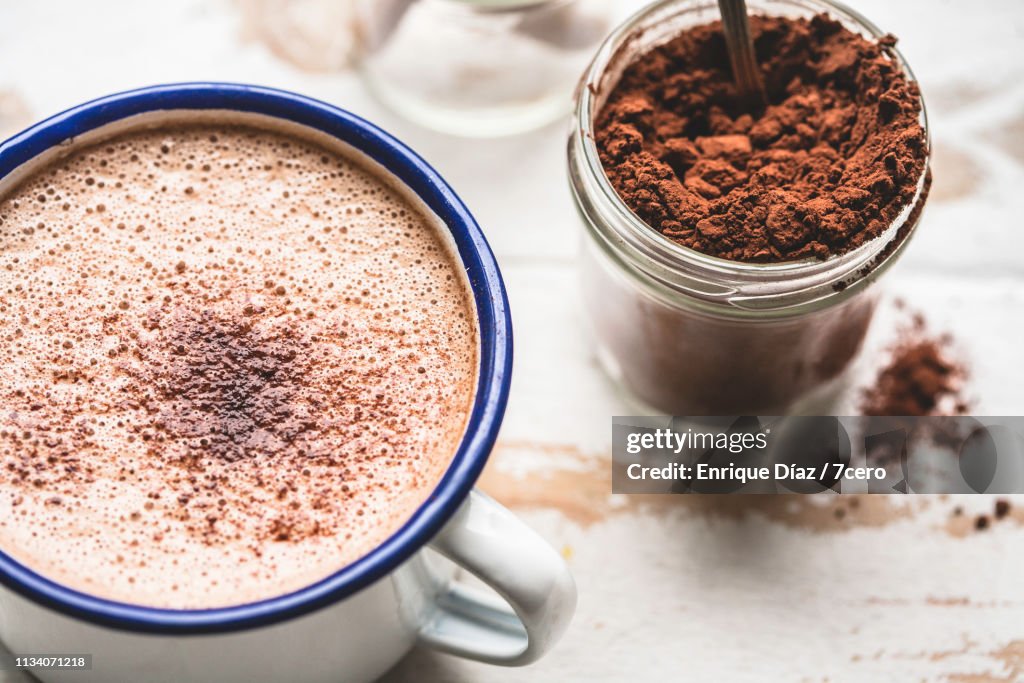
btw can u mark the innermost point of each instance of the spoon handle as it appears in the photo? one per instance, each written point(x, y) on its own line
point(736, 27)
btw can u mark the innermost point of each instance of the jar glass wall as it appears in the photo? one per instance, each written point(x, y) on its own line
point(691, 334)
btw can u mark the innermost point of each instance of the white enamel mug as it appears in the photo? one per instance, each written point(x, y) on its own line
point(357, 623)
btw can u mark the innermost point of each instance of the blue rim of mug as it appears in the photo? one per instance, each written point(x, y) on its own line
point(495, 364)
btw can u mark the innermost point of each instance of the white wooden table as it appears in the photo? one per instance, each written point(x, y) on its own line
point(677, 588)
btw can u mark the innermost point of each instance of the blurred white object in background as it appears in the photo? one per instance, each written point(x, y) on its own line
point(477, 67)
point(313, 35)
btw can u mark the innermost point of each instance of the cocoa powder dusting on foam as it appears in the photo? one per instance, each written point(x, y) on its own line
point(826, 167)
point(255, 386)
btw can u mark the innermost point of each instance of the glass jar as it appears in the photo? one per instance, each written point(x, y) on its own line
point(477, 67)
point(691, 334)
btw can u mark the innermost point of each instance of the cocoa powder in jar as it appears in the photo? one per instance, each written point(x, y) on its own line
point(827, 166)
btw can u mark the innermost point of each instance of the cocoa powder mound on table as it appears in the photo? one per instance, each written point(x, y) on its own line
point(921, 378)
point(917, 379)
point(824, 168)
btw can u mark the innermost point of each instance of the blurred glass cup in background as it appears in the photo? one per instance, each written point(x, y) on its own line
point(478, 68)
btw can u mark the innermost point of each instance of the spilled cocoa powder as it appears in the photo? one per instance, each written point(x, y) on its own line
point(827, 166)
point(1001, 510)
point(921, 378)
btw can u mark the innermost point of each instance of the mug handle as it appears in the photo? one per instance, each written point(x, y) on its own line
point(492, 544)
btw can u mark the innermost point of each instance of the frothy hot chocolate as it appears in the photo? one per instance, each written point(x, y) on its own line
point(234, 361)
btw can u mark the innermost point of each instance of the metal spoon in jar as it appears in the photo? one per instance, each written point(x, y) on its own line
point(736, 27)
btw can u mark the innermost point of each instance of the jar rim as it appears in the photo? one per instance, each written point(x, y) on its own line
point(645, 241)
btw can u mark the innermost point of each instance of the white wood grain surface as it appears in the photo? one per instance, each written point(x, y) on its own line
point(711, 589)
